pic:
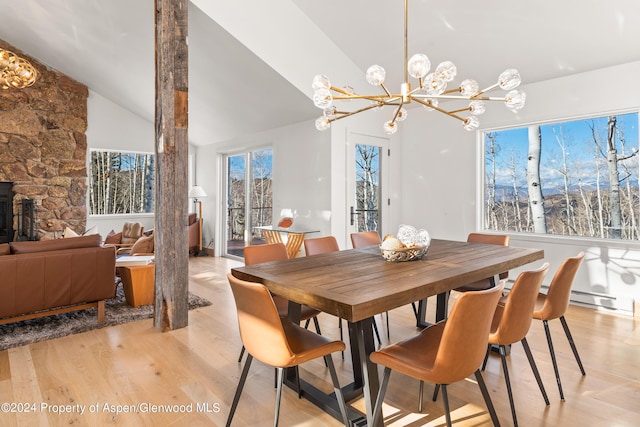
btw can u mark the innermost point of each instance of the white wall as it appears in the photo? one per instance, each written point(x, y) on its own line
point(111, 127)
point(440, 177)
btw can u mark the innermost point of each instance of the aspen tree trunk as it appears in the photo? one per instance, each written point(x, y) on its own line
point(614, 181)
point(171, 148)
point(536, 199)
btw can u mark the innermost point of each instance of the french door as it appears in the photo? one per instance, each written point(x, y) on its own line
point(367, 198)
point(249, 198)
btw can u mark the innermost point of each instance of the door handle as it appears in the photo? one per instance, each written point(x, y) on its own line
point(353, 213)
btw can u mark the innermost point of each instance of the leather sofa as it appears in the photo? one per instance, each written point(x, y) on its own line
point(54, 276)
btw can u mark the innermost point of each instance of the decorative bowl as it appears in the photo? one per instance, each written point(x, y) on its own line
point(405, 254)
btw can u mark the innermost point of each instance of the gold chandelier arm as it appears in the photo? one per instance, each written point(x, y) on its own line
point(406, 41)
point(448, 113)
point(343, 114)
point(490, 88)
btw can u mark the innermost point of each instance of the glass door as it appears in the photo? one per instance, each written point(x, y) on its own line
point(249, 199)
point(366, 195)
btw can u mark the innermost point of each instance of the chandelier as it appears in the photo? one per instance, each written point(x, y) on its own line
point(15, 72)
point(431, 88)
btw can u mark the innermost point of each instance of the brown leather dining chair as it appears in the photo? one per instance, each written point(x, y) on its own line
point(363, 239)
point(321, 245)
point(278, 252)
point(554, 304)
point(446, 352)
point(276, 341)
point(511, 322)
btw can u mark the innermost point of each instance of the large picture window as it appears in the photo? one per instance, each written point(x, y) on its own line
point(121, 182)
point(572, 178)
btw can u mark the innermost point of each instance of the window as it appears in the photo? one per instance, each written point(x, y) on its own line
point(572, 178)
point(121, 183)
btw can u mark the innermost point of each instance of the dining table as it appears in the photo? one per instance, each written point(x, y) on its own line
point(356, 284)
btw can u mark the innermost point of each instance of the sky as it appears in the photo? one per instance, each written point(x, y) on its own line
point(576, 137)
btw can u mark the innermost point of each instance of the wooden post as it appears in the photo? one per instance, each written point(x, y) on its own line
point(171, 149)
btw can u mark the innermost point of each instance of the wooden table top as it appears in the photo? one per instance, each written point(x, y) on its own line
point(358, 283)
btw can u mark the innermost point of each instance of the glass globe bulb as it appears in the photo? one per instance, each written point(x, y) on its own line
point(376, 75)
point(469, 87)
point(330, 112)
point(515, 100)
point(323, 123)
point(402, 114)
point(418, 66)
point(322, 98)
point(477, 107)
point(446, 71)
point(434, 84)
point(320, 82)
point(390, 127)
point(509, 79)
point(471, 123)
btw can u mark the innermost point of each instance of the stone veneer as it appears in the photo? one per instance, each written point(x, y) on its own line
point(43, 148)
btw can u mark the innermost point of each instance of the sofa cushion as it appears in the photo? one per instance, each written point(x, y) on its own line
point(144, 245)
point(54, 245)
point(5, 249)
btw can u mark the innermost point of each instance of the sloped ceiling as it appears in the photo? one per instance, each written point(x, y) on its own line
point(251, 62)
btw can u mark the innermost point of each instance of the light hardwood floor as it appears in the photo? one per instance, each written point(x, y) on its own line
point(134, 366)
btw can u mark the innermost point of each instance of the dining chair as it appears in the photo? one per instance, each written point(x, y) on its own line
point(277, 252)
point(554, 304)
point(321, 245)
point(446, 352)
point(511, 322)
point(276, 341)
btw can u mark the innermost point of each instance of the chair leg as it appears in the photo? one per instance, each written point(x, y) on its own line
point(278, 396)
point(486, 357)
point(415, 311)
point(236, 398)
point(241, 354)
point(572, 344)
point(487, 398)
point(553, 357)
point(435, 392)
point(375, 329)
point(341, 334)
point(445, 400)
point(534, 368)
point(377, 408)
point(420, 396)
point(388, 330)
point(306, 324)
point(503, 356)
point(336, 387)
point(317, 325)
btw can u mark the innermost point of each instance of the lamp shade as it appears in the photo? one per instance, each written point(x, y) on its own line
point(197, 192)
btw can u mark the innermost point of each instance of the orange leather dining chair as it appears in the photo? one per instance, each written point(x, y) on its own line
point(489, 239)
point(446, 352)
point(278, 252)
point(511, 322)
point(321, 245)
point(276, 341)
point(554, 304)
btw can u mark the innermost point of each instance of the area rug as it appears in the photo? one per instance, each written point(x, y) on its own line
point(117, 311)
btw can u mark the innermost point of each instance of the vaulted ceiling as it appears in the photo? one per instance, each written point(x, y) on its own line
point(251, 62)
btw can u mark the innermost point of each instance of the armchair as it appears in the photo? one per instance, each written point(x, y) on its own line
point(131, 232)
point(194, 233)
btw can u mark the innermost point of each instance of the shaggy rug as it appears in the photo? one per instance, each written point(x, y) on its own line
point(117, 311)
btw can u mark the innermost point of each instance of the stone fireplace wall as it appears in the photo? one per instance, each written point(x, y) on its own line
point(43, 149)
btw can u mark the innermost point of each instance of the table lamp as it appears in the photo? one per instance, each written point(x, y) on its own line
point(196, 193)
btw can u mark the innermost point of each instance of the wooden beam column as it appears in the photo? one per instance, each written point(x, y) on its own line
point(171, 149)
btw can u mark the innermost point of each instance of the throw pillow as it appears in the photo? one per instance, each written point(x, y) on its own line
point(69, 233)
point(144, 245)
point(113, 238)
